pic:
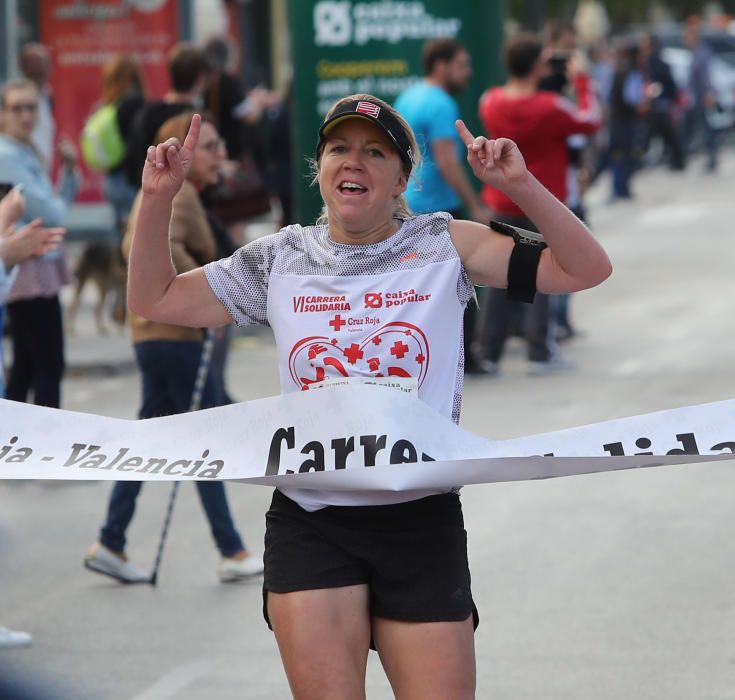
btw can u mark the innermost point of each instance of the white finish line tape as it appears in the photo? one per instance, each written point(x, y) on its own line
point(347, 438)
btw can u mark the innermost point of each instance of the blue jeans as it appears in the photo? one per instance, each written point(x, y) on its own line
point(622, 157)
point(698, 122)
point(120, 194)
point(169, 371)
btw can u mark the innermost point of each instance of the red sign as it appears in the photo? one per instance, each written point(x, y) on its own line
point(82, 36)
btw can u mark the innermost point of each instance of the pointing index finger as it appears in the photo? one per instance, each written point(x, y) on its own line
point(192, 138)
point(464, 133)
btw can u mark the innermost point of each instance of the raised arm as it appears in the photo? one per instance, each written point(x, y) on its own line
point(155, 291)
point(574, 260)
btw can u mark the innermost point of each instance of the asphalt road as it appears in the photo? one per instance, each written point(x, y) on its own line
point(606, 587)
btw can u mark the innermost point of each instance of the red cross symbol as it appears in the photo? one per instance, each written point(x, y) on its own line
point(399, 349)
point(374, 364)
point(377, 340)
point(420, 358)
point(353, 353)
point(337, 322)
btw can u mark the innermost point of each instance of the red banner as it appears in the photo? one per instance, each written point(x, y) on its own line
point(82, 36)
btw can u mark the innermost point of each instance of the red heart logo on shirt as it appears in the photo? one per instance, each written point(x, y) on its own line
point(394, 350)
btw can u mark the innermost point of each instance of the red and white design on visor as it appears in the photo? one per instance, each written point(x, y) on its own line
point(368, 108)
point(394, 350)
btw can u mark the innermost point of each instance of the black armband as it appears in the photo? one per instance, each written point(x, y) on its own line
point(524, 260)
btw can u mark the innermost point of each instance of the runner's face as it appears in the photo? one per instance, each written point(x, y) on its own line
point(20, 113)
point(208, 156)
point(360, 176)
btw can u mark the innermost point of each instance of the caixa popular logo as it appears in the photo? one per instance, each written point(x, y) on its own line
point(332, 23)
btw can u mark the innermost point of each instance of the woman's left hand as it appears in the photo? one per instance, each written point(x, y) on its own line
point(497, 162)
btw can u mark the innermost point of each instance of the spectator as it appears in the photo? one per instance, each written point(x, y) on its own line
point(563, 51)
point(168, 357)
point(16, 246)
point(441, 183)
point(701, 92)
point(35, 65)
point(628, 104)
point(225, 98)
point(122, 86)
point(602, 70)
point(279, 170)
point(237, 115)
point(188, 70)
point(540, 123)
point(33, 301)
point(663, 94)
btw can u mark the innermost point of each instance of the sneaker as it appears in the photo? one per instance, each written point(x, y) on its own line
point(491, 368)
point(102, 560)
point(238, 569)
point(480, 367)
point(565, 333)
point(555, 364)
point(12, 639)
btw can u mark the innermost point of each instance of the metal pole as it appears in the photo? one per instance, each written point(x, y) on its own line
point(195, 405)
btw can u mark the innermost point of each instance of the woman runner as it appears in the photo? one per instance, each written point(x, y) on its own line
point(370, 291)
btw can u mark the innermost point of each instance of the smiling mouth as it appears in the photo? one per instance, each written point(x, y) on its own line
point(351, 188)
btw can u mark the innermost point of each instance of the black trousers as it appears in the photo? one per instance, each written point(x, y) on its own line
point(38, 351)
point(500, 311)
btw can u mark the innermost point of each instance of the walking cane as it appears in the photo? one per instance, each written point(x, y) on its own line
point(196, 402)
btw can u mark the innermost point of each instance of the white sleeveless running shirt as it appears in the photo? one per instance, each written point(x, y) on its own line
point(388, 309)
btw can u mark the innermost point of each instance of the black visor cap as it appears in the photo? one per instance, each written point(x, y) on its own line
point(378, 115)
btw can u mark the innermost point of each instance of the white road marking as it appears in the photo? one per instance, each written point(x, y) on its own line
point(175, 681)
point(670, 215)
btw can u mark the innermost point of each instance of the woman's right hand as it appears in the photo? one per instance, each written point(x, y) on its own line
point(12, 206)
point(167, 164)
point(32, 240)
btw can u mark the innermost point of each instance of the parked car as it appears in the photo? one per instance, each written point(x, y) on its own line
point(720, 43)
point(722, 74)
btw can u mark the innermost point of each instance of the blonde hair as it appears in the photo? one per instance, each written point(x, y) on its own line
point(401, 210)
point(13, 85)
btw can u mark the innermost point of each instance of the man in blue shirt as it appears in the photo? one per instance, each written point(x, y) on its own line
point(441, 183)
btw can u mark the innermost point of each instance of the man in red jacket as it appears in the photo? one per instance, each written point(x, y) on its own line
point(540, 123)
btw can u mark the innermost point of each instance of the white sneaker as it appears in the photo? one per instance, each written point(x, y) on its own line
point(555, 364)
point(239, 569)
point(102, 560)
point(12, 639)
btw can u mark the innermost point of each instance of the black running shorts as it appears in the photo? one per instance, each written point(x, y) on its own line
point(412, 555)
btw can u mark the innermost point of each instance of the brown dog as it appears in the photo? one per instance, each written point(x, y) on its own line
point(102, 264)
